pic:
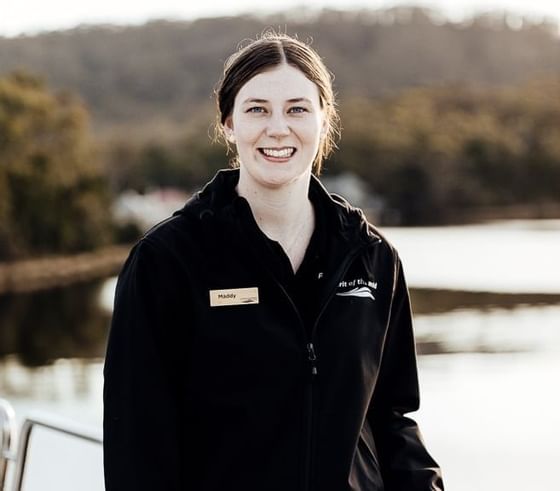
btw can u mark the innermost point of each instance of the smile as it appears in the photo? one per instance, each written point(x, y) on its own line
point(279, 153)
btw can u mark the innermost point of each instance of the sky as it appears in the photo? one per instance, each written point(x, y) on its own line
point(32, 16)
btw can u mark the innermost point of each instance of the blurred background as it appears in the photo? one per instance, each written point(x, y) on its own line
point(450, 142)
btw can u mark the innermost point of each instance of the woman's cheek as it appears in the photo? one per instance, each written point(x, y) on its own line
point(249, 130)
point(308, 127)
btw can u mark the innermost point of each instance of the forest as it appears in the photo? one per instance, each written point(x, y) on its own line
point(445, 122)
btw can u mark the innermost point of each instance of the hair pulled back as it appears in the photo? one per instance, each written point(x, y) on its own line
point(269, 51)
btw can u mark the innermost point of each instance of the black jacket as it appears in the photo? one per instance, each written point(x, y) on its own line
point(239, 397)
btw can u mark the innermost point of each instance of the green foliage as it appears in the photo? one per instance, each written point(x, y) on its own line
point(52, 196)
point(163, 69)
point(436, 153)
point(183, 156)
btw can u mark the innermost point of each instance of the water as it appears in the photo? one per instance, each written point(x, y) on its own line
point(489, 363)
point(489, 405)
point(513, 256)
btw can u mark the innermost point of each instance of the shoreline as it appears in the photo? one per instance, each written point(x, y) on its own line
point(450, 300)
point(46, 272)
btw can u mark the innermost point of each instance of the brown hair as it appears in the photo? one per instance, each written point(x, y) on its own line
point(271, 50)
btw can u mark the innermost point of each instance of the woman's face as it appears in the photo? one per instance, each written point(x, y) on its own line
point(277, 124)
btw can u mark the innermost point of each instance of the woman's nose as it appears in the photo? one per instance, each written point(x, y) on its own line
point(277, 126)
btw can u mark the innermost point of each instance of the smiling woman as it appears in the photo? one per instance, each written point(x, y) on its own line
point(279, 110)
point(262, 335)
point(281, 122)
point(309, 90)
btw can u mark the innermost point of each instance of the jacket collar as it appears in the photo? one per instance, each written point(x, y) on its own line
point(217, 199)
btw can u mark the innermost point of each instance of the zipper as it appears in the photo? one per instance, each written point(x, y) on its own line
point(312, 359)
point(312, 374)
point(311, 353)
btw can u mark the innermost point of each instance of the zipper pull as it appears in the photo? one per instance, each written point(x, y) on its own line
point(312, 357)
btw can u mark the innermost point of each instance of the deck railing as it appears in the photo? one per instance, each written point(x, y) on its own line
point(7, 435)
point(15, 461)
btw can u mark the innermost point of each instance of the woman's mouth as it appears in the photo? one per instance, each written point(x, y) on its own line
point(277, 154)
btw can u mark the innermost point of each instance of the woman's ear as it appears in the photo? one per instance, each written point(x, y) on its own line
point(228, 130)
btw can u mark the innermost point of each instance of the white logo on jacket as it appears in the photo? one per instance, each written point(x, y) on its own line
point(358, 288)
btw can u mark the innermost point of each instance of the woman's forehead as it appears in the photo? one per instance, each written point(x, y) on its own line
point(282, 83)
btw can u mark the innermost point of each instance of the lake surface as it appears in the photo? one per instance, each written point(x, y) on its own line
point(513, 256)
point(489, 363)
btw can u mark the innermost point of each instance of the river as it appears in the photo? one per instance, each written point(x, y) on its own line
point(487, 303)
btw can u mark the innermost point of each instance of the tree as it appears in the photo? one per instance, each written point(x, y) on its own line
point(53, 197)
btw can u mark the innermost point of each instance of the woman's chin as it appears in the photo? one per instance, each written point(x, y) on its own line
point(278, 177)
point(274, 175)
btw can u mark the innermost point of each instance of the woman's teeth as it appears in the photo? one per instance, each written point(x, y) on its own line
point(278, 153)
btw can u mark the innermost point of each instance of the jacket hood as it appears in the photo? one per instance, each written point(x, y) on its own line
point(218, 197)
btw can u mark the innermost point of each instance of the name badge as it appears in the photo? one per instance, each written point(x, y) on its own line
point(234, 296)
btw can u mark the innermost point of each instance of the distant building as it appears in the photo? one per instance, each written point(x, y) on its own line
point(357, 192)
point(145, 210)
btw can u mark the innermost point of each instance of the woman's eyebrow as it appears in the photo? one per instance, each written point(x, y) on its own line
point(262, 101)
point(299, 99)
point(252, 99)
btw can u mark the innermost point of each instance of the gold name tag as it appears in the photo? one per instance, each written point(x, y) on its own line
point(234, 296)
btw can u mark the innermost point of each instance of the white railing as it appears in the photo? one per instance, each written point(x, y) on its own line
point(16, 463)
point(7, 436)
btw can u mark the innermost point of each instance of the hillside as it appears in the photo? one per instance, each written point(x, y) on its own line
point(166, 70)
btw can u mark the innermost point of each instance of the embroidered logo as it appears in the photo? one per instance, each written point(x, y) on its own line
point(362, 291)
point(359, 288)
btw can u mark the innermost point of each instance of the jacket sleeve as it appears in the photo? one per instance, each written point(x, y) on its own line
point(405, 463)
point(141, 421)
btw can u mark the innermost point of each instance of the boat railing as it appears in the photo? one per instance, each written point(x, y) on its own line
point(14, 462)
point(7, 436)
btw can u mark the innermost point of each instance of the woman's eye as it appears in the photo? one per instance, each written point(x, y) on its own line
point(256, 109)
point(298, 109)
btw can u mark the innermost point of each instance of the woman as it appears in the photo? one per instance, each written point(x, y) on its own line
point(262, 338)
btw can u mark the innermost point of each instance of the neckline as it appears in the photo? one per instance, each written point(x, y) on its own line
point(276, 253)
